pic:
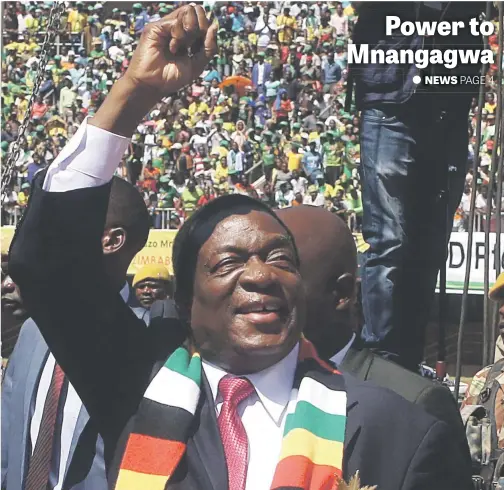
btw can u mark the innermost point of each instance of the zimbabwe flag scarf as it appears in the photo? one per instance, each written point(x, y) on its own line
point(312, 447)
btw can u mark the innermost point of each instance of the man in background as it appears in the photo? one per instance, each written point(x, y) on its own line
point(411, 135)
point(43, 418)
point(13, 312)
point(329, 267)
point(153, 283)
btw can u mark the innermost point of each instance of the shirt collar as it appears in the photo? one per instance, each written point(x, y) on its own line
point(337, 359)
point(125, 292)
point(272, 385)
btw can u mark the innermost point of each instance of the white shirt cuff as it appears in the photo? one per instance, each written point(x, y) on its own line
point(89, 159)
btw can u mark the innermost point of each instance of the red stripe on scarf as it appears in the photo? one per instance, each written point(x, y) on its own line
point(146, 454)
point(300, 472)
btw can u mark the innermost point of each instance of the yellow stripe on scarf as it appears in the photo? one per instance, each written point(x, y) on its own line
point(300, 442)
point(133, 480)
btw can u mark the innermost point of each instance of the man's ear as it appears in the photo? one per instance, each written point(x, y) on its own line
point(345, 291)
point(113, 240)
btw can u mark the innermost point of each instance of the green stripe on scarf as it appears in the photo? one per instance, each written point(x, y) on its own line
point(181, 363)
point(316, 421)
point(312, 449)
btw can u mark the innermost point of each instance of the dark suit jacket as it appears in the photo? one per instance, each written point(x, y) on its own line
point(393, 444)
point(255, 73)
point(19, 389)
point(433, 398)
point(425, 459)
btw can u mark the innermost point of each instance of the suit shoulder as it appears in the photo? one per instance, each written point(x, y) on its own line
point(440, 452)
point(420, 443)
point(29, 333)
point(381, 403)
point(29, 341)
point(432, 397)
point(400, 380)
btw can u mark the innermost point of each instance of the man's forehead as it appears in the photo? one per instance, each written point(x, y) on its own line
point(246, 231)
point(253, 220)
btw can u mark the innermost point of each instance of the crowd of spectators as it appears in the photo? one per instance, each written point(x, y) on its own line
point(488, 136)
point(266, 118)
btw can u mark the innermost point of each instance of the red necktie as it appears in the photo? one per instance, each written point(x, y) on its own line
point(40, 462)
point(234, 437)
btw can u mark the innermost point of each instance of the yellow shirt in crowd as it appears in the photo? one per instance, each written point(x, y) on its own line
point(229, 127)
point(77, 21)
point(294, 162)
point(32, 24)
point(195, 110)
point(220, 173)
point(329, 191)
point(22, 198)
point(252, 37)
point(21, 106)
point(490, 107)
point(287, 27)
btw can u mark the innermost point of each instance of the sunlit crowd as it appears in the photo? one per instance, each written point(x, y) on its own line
point(267, 117)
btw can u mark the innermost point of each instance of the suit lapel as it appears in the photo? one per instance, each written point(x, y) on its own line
point(205, 447)
point(82, 420)
point(357, 363)
point(353, 427)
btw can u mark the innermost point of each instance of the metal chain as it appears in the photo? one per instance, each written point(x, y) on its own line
point(52, 28)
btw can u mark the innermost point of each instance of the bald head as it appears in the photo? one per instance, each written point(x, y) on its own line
point(322, 237)
point(328, 267)
point(126, 229)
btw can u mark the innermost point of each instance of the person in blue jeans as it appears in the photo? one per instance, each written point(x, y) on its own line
point(411, 136)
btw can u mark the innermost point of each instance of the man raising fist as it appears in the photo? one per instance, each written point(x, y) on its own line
point(171, 54)
point(229, 396)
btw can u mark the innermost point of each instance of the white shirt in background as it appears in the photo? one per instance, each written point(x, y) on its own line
point(319, 200)
point(339, 24)
point(299, 185)
point(260, 74)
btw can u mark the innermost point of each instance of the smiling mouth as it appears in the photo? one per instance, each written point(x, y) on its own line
point(262, 313)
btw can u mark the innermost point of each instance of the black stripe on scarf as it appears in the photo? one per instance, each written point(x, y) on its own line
point(151, 420)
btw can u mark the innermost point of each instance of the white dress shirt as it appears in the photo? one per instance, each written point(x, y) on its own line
point(90, 159)
point(260, 74)
point(339, 356)
point(71, 410)
point(262, 414)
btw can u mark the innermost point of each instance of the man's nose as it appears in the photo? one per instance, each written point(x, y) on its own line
point(257, 274)
point(8, 285)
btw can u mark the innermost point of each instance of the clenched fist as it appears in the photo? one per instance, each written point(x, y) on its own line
point(173, 51)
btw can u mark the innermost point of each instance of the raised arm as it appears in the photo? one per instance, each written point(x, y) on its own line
point(56, 255)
